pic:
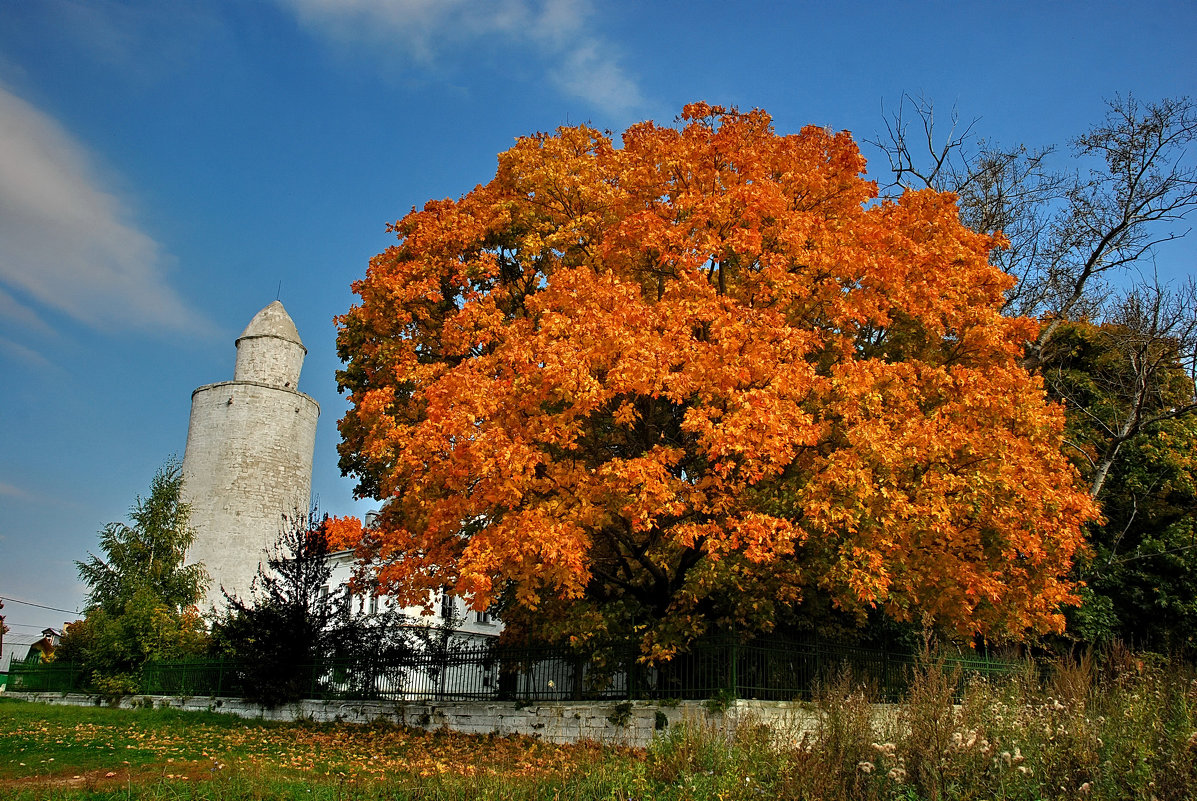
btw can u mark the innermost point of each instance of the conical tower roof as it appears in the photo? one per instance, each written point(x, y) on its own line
point(273, 321)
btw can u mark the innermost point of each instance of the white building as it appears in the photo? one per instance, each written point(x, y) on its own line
point(470, 627)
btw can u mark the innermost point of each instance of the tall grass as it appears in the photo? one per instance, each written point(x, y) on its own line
point(1122, 729)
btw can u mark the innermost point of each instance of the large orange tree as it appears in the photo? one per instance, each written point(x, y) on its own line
point(678, 384)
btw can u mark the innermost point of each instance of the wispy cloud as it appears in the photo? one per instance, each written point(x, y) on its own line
point(11, 491)
point(145, 40)
point(66, 243)
point(587, 72)
point(24, 354)
point(21, 315)
point(577, 61)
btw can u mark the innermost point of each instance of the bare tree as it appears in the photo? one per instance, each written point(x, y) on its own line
point(1069, 231)
point(1012, 190)
point(923, 157)
point(1109, 220)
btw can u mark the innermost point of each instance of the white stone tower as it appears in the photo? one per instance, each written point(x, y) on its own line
point(249, 454)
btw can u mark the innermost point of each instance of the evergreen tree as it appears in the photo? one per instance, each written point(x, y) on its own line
point(149, 555)
point(142, 597)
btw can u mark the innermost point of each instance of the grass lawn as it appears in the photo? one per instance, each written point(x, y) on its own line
point(49, 751)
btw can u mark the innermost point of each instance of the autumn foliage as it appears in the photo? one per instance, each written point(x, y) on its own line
point(341, 532)
point(682, 383)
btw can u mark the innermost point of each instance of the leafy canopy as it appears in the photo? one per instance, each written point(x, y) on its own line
point(289, 620)
point(1139, 576)
point(1123, 391)
point(679, 384)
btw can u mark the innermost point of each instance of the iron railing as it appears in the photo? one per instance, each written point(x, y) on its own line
point(34, 675)
point(767, 669)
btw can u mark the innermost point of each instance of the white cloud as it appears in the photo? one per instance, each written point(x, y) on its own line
point(579, 63)
point(66, 243)
point(585, 72)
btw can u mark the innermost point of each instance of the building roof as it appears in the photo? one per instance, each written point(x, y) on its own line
point(16, 646)
point(273, 321)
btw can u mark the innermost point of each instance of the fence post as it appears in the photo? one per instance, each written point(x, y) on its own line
point(818, 677)
point(734, 678)
point(885, 683)
point(635, 688)
point(576, 670)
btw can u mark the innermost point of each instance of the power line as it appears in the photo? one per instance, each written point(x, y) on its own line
point(25, 626)
point(39, 606)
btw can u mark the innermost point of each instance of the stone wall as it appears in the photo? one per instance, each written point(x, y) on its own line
point(628, 723)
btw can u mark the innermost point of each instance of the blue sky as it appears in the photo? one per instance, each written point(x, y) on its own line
point(165, 165)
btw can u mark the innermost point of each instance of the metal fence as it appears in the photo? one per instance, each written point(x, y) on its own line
point(775, 669)
point(34, 675)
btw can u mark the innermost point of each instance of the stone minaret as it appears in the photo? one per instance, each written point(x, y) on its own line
point(249, 454)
